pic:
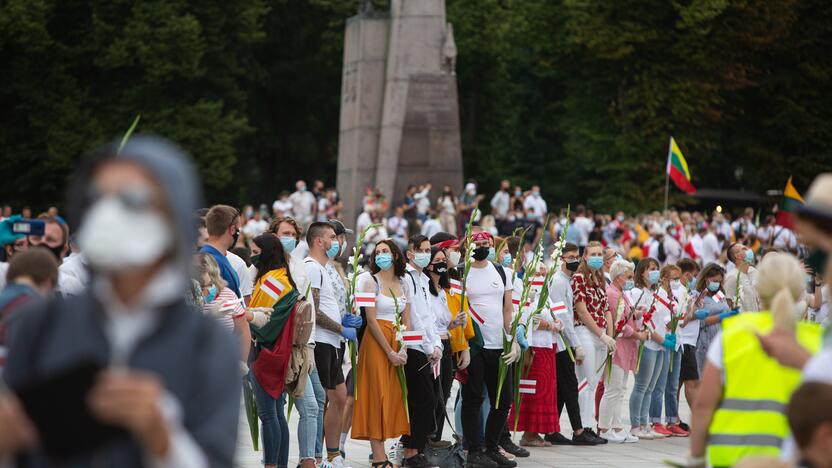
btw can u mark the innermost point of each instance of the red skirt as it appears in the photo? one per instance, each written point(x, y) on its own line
point(539, 410)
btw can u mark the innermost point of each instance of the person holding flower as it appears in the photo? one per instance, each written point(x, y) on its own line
point(642, 297)
point(668, 310)
point(381, 414)
point(538, 412)
point(626, 320)
point(592, 325)
point(710, 307)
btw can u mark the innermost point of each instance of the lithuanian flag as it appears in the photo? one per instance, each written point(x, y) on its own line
point(791, 201)
point(677, 168)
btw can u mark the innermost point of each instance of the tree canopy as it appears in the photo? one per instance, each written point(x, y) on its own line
point(579, 96)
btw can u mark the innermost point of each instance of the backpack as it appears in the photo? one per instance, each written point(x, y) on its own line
point(302, 310)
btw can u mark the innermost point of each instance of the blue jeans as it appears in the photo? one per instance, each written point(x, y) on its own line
point(274, 429)
point(308, 423)
point(671, 390)
point(658, 392)
point(644, 384)
point(484, 410)
point(320, 398)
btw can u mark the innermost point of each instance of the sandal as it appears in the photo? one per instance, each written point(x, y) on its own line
point(534, 443)
point(382, 464)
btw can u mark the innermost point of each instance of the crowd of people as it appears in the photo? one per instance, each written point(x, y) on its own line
point(104, 360)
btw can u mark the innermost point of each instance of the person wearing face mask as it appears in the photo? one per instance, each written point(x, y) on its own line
point(626, 319)
point(223, 224)
point(330, 330)
point(380, 414)
point(745, 274)
point(288, 233)
point(489, 292)
point(453, 326)
point(710, 307)
point(466, 202)
point(535, 206)
point(56, 239)
point(304, 204)
point(131, 327)
point(449, 243)
point(687, 334)
point(221, 302)
point(32, 276)
point(446, 205)
point(421, 357)
point(500, 204)
point(592, 325)
point(560, 291)
point(643, 299)
point(11, 244)
point(668, 305)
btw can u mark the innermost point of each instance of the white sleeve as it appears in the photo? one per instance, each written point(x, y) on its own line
point(714, 355)
point(183, 449)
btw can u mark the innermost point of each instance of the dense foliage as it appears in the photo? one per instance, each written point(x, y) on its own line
point(577, 95)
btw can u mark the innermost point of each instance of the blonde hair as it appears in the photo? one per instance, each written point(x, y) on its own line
point(207, 264)
point(780, 282)
point(620, 268)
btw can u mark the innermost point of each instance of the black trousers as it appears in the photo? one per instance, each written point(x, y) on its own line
point(421, 400)
point(568, 388)
point(482, 373)
point(443, 388)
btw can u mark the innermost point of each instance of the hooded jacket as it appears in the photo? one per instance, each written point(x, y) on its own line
point(195, 360)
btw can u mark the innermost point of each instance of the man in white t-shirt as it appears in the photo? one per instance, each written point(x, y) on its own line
point(329, 330)
point(489, 294)
point(784, 239)
point(535, 205)
point(282, 206)
point(304, 204)
point(255, 226)
point(710, 246)
point(584, 226)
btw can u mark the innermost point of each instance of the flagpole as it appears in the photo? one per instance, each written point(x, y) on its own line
point(667, 174)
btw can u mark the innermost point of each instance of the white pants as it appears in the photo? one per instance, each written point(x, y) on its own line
point(596, 353)
point(609, 413)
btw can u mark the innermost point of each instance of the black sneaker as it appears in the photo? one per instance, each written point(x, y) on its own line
point(598, 440)
point(509, 446)
point(584, 438)
point(556, 438)
point(478, 459)
point(684, 426)
point(417, 461)
point(499, 459)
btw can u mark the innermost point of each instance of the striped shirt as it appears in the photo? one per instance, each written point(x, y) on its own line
point(231, 307)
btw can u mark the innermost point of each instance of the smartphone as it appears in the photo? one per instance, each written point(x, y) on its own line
point(29, 227)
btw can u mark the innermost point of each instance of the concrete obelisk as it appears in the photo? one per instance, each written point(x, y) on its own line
point(399, 113)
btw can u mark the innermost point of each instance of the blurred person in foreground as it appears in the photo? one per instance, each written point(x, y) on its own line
point(810, 420)
point(740, 408)
point(167, 386)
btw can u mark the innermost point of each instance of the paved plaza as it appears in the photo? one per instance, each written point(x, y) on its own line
point(648, 453)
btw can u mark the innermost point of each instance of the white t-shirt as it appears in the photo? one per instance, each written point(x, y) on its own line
point(537, 206)
point(585, 226)
point(485, 296)
point(240, 267)
point(385, 306)
point(319, 279)
point(282, 207)
point(75, 266)
point(303, 203)
point(661, 318)
point(500, 204)
point(710, 249)
point(688, 334)
point(784, 238)
point(254, 228)
point(397, 226)
point(431, 227)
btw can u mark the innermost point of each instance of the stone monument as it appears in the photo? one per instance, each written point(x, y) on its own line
point(399, 113)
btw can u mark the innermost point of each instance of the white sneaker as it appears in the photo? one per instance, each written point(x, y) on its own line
point(628, 438)
point(642, 433)
point(337, 462)
point(396, 454)
point(612, 437)
point(656, 435)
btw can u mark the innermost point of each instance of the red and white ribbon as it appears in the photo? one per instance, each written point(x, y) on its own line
point(364, 299)
point(527, 386)
point(412, 338)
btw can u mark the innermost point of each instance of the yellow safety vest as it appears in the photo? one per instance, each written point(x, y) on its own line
point(751, 417)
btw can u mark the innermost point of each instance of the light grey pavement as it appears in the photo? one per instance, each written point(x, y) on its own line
point(648, 453)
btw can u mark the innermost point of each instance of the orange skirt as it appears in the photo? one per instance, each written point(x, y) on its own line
point(379, 412)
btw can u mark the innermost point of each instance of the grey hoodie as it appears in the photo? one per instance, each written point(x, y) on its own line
point(193, 357)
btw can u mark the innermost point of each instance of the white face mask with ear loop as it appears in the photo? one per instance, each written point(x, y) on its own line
point(115, 238)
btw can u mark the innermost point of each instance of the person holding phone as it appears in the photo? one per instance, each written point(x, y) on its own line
point(138, 367)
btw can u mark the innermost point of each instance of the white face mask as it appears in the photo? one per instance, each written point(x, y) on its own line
point(116, 238)
point(453, 259)
point(343, 248)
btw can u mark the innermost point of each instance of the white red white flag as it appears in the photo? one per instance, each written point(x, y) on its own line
point(456, 287)
point(412, 338)
point(272, 287)
point(527, 386)
point(364, 299)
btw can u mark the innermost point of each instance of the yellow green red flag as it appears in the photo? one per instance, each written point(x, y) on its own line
point(677, 168)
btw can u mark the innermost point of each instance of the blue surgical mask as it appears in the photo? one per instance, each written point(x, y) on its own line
point(212, 294)
point(629, 285)
point(653, 277)
point(749, 256)
point(692, 284)
point(713, 286)
point(492, 254)
point(595, 262)
point(384, 261)
point(506, 260)
point(289, 243)
point(333, 249)
point(421, 259)
point(517, 193)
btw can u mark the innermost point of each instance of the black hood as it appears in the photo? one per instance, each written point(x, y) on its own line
point(168, 164)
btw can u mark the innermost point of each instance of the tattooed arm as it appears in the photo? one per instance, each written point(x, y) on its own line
point(321, 319)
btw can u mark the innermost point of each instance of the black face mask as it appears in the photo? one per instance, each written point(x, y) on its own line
point(573, 266)
point(255, 259)
point(439, 268)
point(480, 253)
point(235, 237)
point(56, 251)
point(817, 261)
